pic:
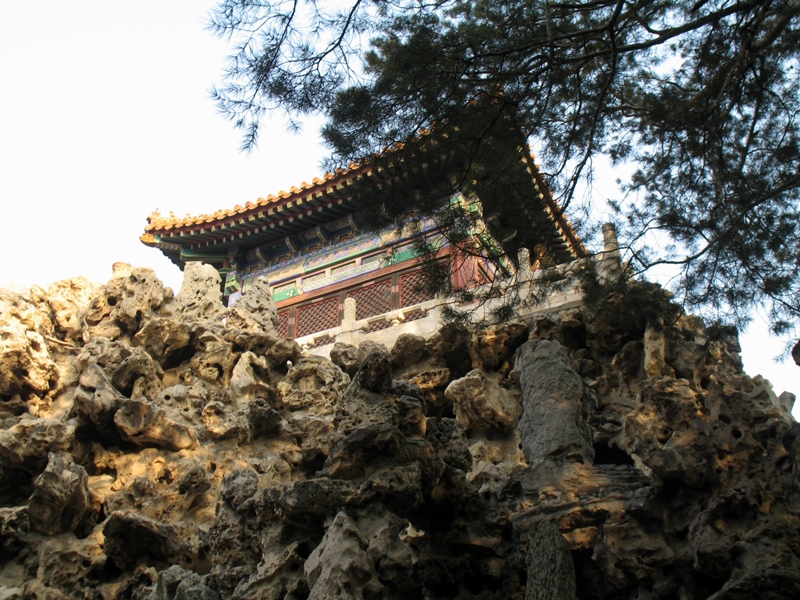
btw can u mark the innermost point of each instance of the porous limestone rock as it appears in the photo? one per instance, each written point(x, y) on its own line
point(361, 404)
point(200, 296)
point(339, 567)
point(255, 310)
point(349, 562)
point(313, 384)
point(60, 499)
point(138, 376)
point(96, 398)
point(375, 370)
point(67, 300)
point(450, 348)
point(407, 350)
point(493, 348)
point(13, 527)
point(280, 352)
point(67, 564)
point(669, 432)
point(27, 444)
point(103, 353)
point(131, 539)
point(345, 356)
point(250, 377)
point(26, 366)
point(221, 422)
point(141, 423)
point(120, 307)
point(165, 338)
point(554, 425)
point(479, 402)
point(167, 454)
point(214, 361)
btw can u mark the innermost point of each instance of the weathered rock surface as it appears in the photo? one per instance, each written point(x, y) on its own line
point(479, 402)
point(256, 310)
point(26, 366)
point(118, 310)
point(142, 423)
point(60, 499)
point(200, 296)
point(557, 405)
point(150, 448)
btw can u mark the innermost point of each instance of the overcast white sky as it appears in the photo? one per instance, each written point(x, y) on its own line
point(105, 116)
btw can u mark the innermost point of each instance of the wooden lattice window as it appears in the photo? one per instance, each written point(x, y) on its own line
point(316, 316)
point(374, 299)
point(283, 323)
point(412, 289)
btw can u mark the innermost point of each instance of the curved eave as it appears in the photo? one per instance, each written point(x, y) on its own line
point(257, 230)
point(331, 189)
point(555, 214)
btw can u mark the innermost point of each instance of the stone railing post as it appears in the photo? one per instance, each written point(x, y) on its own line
point(611, 267)
point(524, 259)
point(349, 317)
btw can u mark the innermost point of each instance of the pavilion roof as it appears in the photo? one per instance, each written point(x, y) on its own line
point(209, 237)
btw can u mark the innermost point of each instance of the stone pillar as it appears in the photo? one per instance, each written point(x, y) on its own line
point(524, 258)
point(554, 427)
point(610, 243)
point(347, 333)
point(610, 267)
point(349, 317)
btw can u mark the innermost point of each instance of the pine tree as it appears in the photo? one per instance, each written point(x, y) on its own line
point(700, 98)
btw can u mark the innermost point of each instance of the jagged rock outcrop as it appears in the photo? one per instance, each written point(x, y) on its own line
point(200, 296)
point(256, 310)
point(60, 499)
point(554, 425)
point(167, 448)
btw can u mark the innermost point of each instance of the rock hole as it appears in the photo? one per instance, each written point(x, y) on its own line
point(111, 301)
point(305, 549)
point(312, 464)
point(300, 592)
point(708, 585)
point(736, 433)
point(16, 486)
point(608, 455)
point(111, 571)
point(590, 580)
point(177, 358)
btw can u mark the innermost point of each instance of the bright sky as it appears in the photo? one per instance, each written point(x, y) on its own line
point(105, 117)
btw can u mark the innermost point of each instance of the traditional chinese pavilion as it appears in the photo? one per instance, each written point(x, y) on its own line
point(310, 244)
